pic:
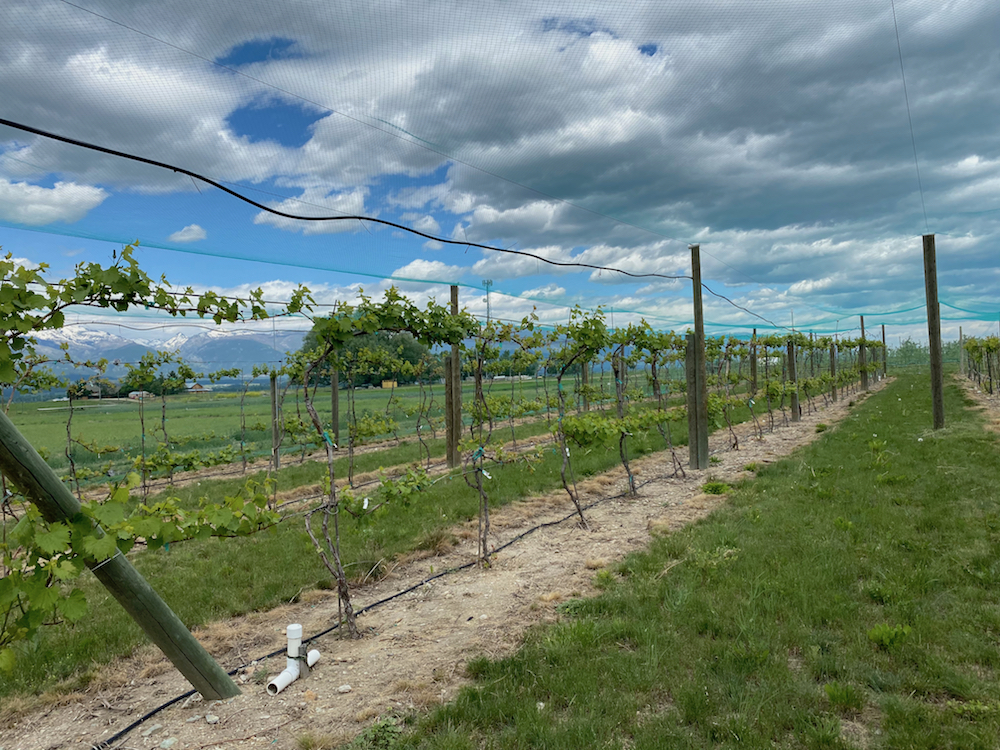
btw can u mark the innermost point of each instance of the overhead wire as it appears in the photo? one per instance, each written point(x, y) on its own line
point(909, 117)
point(395, 131)
point(361, 218)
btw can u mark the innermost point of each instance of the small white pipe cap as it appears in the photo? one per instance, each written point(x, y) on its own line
point(294, 631)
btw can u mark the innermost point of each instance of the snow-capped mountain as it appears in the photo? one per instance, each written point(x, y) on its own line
point(212, 350)
point(224, 349)
point(86, 343)
point(174, 343)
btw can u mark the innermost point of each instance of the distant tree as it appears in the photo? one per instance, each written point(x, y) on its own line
point(401, 345)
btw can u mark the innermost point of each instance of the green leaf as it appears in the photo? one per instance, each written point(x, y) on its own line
point(220, 517)
point(74, 606)
point(108, 514)
point(56, 539)
point(67, 569)
point(100, 547)
point(7, 659)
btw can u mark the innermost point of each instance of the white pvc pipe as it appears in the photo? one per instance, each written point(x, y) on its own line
point(291, 673)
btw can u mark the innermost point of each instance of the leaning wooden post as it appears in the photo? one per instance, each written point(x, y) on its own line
point(793, 379)
point(885, 354)
point(335, 404)
point(863, 356)
point(701, 390)
point(454, 408)
point(585, 384)
point(20, 463)
point(934, 331)
point(833, 371)
point(275, 426)
point(753, 363)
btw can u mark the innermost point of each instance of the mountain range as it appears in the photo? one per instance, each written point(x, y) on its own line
point(207, 352)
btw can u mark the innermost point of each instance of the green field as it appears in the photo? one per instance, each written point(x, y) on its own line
point(210, 422)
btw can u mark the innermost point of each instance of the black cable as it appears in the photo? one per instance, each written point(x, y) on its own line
point(412, 139)
point(385, 222)
point(298, 217)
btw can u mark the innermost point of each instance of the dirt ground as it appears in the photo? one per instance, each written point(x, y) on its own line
point(415, 648)
point(988, 403)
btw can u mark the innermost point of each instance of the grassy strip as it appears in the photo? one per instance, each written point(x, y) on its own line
point(214, 579)
point(217, 578)
point(848, 596)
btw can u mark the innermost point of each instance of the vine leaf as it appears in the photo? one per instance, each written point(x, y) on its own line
point(56, 539)
point(100, 548)
point(108, 514)
point(74, 606)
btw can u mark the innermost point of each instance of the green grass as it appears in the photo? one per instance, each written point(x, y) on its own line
point(213, 579)
point(848, 596)
point(205, 581)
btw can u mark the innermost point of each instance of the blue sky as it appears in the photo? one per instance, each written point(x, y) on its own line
point(776, 136)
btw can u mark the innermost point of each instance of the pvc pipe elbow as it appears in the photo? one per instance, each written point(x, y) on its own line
point(283, 680)
point(292, 668)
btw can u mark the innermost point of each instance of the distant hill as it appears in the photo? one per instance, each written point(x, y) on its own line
point(209, 351)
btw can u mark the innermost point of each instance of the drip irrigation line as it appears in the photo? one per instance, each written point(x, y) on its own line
point(360, 218)
point(103, 744)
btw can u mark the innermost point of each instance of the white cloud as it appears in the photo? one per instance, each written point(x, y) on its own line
point(740, 130)
point(419, 197)
point(429, 270)
point(37, 206)
point(499, 266)
point(190, 233)
point(426, 223)
point(549, 291)
point(24, 263)
point(317, 202)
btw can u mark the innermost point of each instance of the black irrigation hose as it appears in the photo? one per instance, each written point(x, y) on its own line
point(150, 714)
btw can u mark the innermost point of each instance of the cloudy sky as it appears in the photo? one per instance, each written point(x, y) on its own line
point(775, 134)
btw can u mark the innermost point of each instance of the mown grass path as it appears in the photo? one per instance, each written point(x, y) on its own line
point(848, 596)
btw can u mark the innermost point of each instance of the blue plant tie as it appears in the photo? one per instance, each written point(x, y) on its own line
point(326, 437)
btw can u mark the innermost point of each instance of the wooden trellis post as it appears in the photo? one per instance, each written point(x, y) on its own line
point(885, 354)
point(793, 379)
point(863, 356)
point(453, 394)
point(25, 468)
point(833, 370)
point(753, 363)
point(275, 424)
point(934, 330)
point(335, 404)
point(961, 352)
point(698, 395)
